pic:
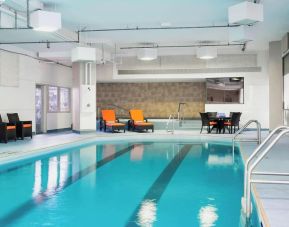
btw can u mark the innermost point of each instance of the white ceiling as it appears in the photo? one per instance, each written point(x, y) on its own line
point(97, 14)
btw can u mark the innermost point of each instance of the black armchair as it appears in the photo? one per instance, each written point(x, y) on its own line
point(206, 122)
point(234, 122)
point(23, 128)
point(7, 131)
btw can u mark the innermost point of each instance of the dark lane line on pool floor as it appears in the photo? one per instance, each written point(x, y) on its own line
point(157, 189)
point(44, 196)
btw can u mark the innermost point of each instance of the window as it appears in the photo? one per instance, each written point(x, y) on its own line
point(225, 90)
point(64, 100)
point(53, 99)
point(59, 99)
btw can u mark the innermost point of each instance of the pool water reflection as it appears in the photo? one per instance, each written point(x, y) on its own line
point(126, 184)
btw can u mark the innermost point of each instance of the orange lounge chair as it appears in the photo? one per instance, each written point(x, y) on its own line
point(109, 121)
point(138, 122)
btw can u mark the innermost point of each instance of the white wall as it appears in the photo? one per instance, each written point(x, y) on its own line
point(21, 98)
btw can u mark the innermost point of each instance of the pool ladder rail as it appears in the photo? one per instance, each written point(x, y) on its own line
point(171, 121)
point(256, 157)
point(258, 131)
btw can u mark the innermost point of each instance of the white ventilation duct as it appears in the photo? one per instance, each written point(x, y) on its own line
point(147, 54)
point(45, 21)
point(207, 53)
point(83, 54)
point(241, 34)
point(245, 13)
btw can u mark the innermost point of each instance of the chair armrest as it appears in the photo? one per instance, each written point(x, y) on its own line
point(3, 125)
point(10, 124)
point(26, 122)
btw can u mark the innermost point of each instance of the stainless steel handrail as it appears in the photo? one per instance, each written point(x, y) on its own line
point(180, 117)
point(279, 132)
point(258, 139)
point(172, 120)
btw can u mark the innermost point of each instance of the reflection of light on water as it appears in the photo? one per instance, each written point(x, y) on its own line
point(52, 174)
point(136, 153)
point(63, 169)
point(147, 213)
point(208, 216)
point(109, 150)
point(220, 160)
point(37, 179)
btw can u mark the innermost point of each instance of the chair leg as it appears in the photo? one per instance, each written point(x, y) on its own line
point(201, 130)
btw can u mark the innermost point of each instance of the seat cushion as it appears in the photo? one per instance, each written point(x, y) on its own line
point(138, 123)
point(27, 125)
point(213, 123)
point(12, 127)
point(228, 123)
point(115, 124)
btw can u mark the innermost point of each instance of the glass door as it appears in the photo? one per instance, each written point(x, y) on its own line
point(39, 109)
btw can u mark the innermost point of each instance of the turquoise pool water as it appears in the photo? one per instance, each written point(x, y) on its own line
point(126, 184)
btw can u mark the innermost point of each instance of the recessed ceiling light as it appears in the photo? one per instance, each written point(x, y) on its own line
point(207, 53)
point(147, 54)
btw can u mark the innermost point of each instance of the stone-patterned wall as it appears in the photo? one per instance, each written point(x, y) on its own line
point(157, 100)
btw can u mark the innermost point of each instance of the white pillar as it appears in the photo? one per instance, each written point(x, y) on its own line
point(84, 97)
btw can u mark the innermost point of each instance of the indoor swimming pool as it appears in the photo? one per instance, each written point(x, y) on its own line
point(157, 183)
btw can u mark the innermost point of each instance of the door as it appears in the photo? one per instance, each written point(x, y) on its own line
point(39, 109)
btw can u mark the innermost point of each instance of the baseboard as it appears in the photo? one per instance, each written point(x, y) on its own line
point(59, 130)
point(84, 131)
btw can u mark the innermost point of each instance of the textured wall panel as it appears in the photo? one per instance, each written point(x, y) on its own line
point(158, 100)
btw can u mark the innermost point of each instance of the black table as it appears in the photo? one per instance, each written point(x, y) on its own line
point(220, 122)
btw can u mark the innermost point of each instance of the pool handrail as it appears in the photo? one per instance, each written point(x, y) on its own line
point(171, 120)
point(280, 132)
point(258, 130)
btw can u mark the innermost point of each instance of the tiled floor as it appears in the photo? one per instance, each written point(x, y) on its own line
point(274, 198)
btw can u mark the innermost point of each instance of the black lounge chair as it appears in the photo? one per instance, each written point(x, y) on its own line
point(7, 131)
point(23, 128)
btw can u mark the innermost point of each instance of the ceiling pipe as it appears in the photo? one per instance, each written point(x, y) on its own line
point(183, 46)
point(157, 28)
point(39, 42)
point(36, 58)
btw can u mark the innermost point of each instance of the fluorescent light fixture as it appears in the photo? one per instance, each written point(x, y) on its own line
point(45, 21)
point(207, 53)
point(147, 54)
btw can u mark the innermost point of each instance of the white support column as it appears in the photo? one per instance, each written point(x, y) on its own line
point(84, 97)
